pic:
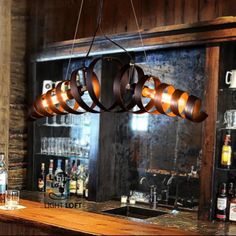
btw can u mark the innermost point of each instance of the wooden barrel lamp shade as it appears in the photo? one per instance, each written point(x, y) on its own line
point(133, 91)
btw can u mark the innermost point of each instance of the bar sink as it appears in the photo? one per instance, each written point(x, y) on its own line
point(135, 212)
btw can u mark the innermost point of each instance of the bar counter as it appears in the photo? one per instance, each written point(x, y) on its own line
point(39, 218)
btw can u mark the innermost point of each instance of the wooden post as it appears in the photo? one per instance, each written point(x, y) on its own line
point(5, 51)
point(209, 132)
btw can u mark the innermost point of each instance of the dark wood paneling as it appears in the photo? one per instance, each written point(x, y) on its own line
point(191, 11)
point(209, 127)
point(12, 228)
point(57, 18)
point(208, 9)
point(182, 35)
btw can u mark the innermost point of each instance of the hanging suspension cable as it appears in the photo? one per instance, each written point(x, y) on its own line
point(98, 27)
point(140, 35)
point(73, 43)
point(99, 18)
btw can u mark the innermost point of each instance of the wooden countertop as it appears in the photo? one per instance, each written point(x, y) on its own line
point(74, 221)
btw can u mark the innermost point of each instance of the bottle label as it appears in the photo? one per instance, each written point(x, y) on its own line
point(73, 186)
point(3, 183)
point(219, 216)
point(232, 212)
point(40, 184)
point(226, 155)
point(80, 187)
point(221, 203)
point(3, 179)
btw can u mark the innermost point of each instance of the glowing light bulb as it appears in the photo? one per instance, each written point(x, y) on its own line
point(44, 102)
point(147, 92)
point(54, 98)
point(166, 98)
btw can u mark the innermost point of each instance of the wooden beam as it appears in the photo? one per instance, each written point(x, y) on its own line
point(209, 132)
point(219, 30)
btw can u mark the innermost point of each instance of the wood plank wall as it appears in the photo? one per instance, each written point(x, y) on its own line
point(5, 49)
point(57, 18)
point(17, 120)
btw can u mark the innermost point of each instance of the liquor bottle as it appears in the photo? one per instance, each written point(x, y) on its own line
point(231, 190)
point(86, 186)
point(80, 180)
point(232, 207)
point(58, 169)
point(73, 178)
point(58, 185)
point(222, 202)
point(226, 154)
point(230, 196)
point(3, 177)
point(50, 178)
point(67, 177)
point(41, 179)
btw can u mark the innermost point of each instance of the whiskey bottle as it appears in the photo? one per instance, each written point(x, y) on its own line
point(80, 180)
point(231, 190)
point(232, 208)
point(73, 178)
point(226, 154)
point(58, 169)
point(86, 187)
point(222, 203)
point(67, 177)
point(50, 178)
point(86, 182)
point(59, 185)
point(41, 179)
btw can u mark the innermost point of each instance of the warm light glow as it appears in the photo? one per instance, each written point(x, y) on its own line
point(64, 96)
point(182, 103)
point(44, 102)
point(54, 99)
point(149, 93)
point(166, 98)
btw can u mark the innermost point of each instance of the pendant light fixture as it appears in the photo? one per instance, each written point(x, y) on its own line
point(133, 90)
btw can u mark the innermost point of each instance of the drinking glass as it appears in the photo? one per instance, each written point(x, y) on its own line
point(51, 145)
point(70, 145)
point(46, 123)
point(58, 144)
point(76, 119)
point(65, 146)
point(75, 146)
point(44, 145)
point(61, 120)
point(230, 118)
point(12, 199)
point(68, 119)
point(54, 121)
point(87, 119)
